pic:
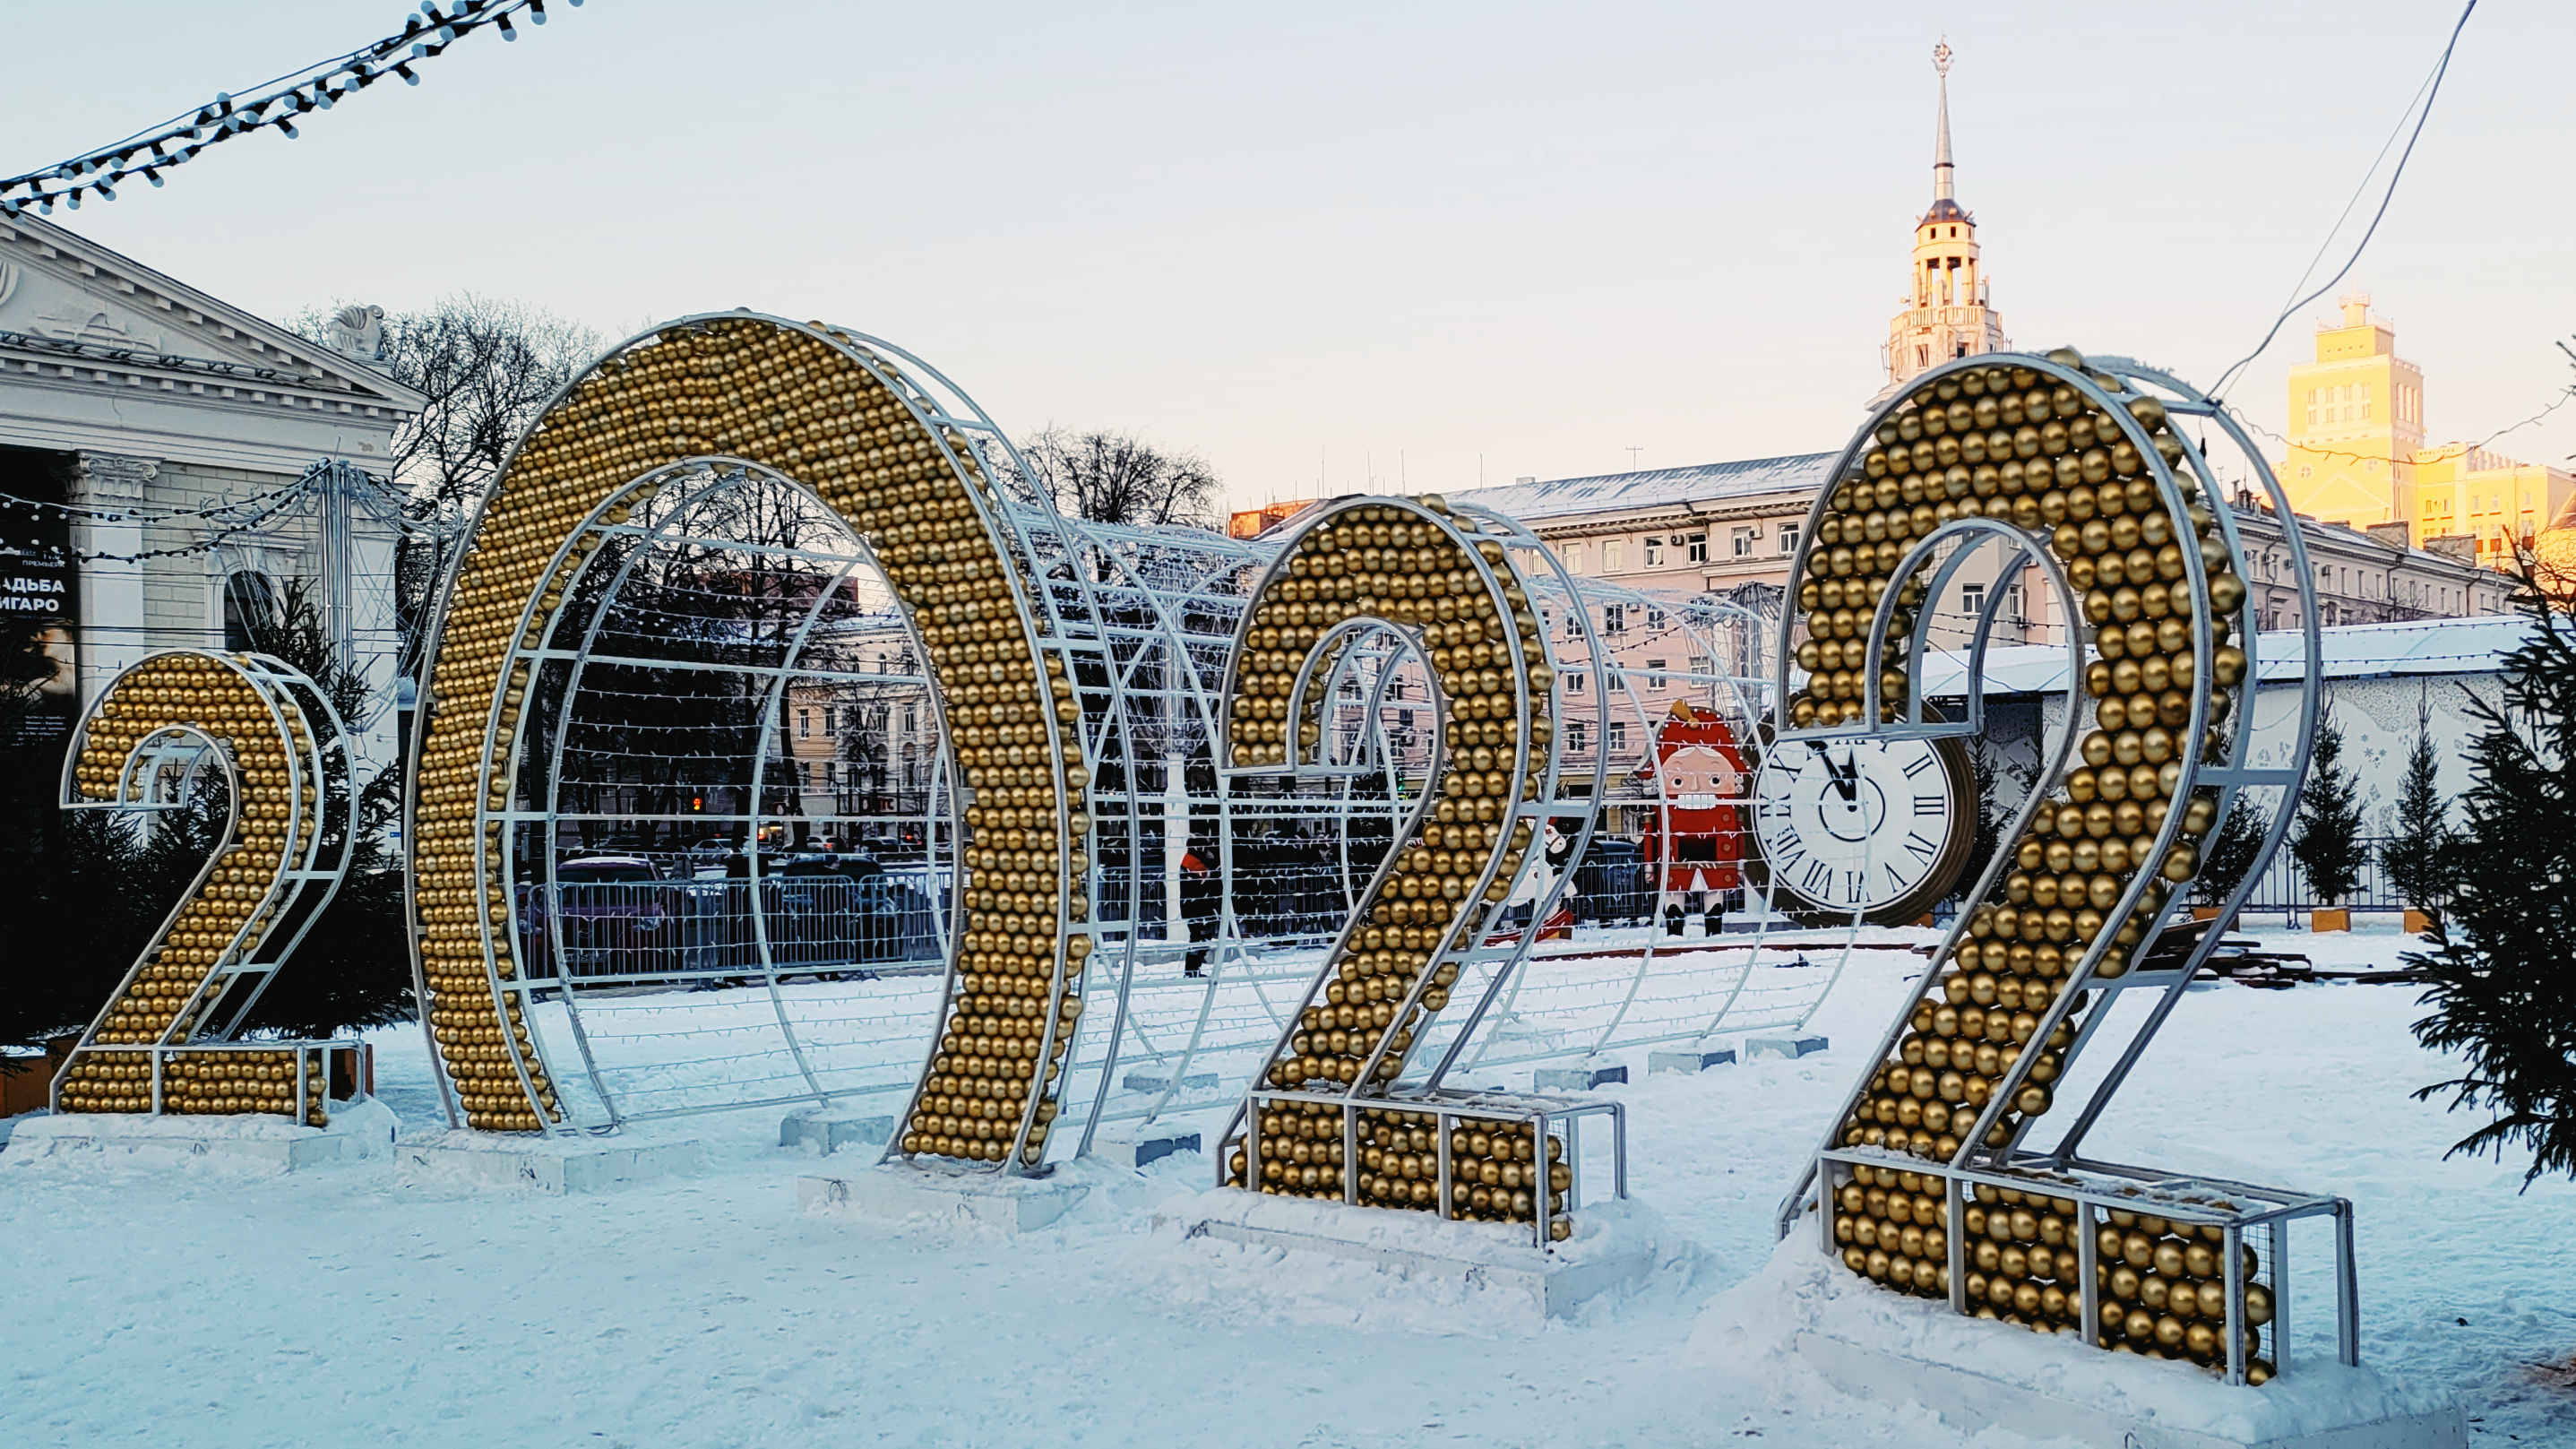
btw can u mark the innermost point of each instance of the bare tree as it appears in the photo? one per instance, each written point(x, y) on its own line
point(1119, 478)
point(488, 368)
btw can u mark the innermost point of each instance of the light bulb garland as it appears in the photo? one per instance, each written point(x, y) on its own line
point(276, 105)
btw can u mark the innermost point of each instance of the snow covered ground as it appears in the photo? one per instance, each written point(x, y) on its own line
point(365, 1305)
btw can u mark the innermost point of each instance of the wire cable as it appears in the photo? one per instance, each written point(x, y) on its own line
point(2431, 93)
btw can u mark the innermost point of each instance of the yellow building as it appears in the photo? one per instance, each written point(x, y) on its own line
point(2357, 454)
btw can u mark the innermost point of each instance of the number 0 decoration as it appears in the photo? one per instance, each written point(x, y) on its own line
point(176, 725)
point(2078, 472)
point(1322, 1120)
point(832, 413)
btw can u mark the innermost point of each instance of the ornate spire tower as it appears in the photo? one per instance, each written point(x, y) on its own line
point(1945, 313)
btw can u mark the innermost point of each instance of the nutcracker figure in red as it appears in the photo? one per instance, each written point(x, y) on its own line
point(1694, 838)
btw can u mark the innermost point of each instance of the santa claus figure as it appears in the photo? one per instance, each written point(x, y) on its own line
point(1694, 837)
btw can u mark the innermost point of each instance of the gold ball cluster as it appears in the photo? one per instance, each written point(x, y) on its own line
point(1954, 1053)
point(2162, 1283)
point(198, 1083)
point(803, 407)
point(2163, 1286)
point(173, 987)
point(1401, 564)
point(2006, 442)
point(1495, 1171)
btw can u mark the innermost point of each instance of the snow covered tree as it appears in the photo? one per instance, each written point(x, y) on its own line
point(2326, 840)
point(2501, 988)
point(2419, 825)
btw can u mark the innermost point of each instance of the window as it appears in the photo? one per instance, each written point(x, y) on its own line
point(831, 720)
point(804, 724)
point(911, 720)
point(1654, 553)
point(2306, 471)
point(1788, 538)
point(1972, 599)
point(1702, 664)
point(1574, 683)
point(1614, 618)
point(1614, 556)
point(1611, 679)
point(1699, 543)
point(1574, 737)
point(1618, 735)
point(250, 601)
point(804, 775)
point(1574, 558)
point(1743, 543)
point(1655, 674)
point(1654, 619)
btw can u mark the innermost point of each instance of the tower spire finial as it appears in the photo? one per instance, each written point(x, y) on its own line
point(1942, 190)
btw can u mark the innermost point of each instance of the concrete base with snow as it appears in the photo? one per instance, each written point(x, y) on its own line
point(897, 1191)
point(1975, 1374)
point(1615, 1244)
point(554, 1165)
point(826, 1130)
point(358, 1132)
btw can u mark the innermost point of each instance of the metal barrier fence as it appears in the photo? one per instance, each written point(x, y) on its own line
point(2284, 887)
point(668, 930)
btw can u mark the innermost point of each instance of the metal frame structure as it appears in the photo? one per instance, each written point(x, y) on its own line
point(179, 754)
point(2063, 1164)
point(1455, 945)
point(1142, 621)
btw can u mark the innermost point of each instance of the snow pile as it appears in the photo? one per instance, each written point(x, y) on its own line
point(1802, 1291)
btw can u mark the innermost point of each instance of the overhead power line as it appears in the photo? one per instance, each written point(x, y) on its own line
point(2431, 92)
point(276, 104)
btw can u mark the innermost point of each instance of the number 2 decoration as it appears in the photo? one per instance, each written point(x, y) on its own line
point(178, 725)
point(1926, 1183)
point(1322, 1120)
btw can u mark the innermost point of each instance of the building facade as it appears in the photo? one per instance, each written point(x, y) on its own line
point(152, 439)
point(2356, 453)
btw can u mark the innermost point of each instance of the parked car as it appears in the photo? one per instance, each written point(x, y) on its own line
point(612, 913)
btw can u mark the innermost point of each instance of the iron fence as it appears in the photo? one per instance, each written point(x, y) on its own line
point(2284, 887)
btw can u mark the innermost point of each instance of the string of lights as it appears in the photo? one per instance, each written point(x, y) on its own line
point(274, 105)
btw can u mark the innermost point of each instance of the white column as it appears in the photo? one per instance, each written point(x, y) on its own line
point(111, 591)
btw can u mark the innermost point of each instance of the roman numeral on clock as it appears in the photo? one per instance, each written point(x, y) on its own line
point(1930, 805)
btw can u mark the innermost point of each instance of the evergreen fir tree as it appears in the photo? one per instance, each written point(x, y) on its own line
point(353, 968)
point(2419, 825)
point(2229, 856)
point(2503, 991)
point(2326, 841)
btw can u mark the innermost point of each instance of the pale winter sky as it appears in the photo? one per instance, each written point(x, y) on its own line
point(1439, 242)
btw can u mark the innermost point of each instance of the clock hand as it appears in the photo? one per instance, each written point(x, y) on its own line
point(1846, 777)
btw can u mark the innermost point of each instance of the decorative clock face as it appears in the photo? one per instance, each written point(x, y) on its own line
point(1874, 827)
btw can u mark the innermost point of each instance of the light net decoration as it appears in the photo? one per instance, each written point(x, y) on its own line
point(1931, 1182)
point(250, 740)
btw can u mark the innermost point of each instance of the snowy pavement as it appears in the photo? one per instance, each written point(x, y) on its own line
point(366, 1305)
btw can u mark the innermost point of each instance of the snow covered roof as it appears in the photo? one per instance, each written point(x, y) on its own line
point(2357, 651)
point(1654, 488)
